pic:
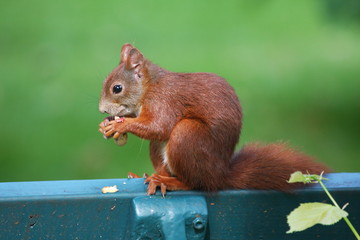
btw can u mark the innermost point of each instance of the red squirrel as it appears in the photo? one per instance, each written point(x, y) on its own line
point(193, 122)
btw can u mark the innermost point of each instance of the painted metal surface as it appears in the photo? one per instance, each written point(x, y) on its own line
point(181, 217)
point(79, 210)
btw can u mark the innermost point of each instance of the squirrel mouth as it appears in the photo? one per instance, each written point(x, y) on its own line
point(113, 118)
point(123, 111)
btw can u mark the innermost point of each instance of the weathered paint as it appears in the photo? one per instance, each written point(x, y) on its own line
point(79, 210)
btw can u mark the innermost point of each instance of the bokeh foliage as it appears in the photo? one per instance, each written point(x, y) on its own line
point(295, 66)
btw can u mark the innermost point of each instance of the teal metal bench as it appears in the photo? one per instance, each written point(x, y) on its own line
point(79, 210)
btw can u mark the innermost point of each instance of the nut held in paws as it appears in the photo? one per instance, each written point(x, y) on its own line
point(122, 139)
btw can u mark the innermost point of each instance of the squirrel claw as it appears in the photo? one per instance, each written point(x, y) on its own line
point(102, 132)
point(163, 189)
point(133, 175)
point(154, 182)
point(151, 188)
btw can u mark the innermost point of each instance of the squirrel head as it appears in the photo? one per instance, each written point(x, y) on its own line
point(124, 87)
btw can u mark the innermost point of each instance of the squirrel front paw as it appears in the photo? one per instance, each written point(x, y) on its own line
point(110, 128)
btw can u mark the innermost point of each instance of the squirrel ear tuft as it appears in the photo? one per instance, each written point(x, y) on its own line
point(134, 59)
point(126, 48)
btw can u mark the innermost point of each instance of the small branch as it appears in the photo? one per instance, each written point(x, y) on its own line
point(335, 203)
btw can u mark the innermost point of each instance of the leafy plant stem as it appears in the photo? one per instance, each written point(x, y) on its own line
point(335, 203)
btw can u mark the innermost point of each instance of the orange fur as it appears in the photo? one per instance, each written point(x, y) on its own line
point(259, 166)
point(193, 122)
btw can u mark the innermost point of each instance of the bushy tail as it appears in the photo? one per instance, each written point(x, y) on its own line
point(259, 166)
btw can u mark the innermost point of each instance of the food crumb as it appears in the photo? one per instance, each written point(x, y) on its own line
point(119, 119)
point(110, 189)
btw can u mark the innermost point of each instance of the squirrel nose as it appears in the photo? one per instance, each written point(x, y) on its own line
point(102, 109)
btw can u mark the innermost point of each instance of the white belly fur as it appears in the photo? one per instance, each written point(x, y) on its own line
point(166, 158)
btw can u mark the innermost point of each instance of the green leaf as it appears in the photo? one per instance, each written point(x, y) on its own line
point(309, 214)
point(297, 177)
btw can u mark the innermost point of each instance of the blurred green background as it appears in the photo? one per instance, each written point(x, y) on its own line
point(294, 65)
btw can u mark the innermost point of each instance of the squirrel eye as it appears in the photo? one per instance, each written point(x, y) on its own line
point(117, 89)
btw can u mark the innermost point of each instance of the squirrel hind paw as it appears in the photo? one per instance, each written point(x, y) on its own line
point(165, 184)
